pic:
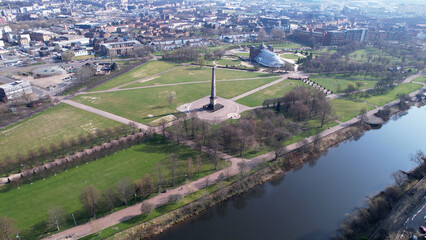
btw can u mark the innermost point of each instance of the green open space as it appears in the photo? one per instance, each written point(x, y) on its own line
point(50, 126)
point(393, 94)
point(420, 79)
point(82, 57)
point(291, 56)
point(29, 204)
point(195, 74)
point(139, 72)
point(242, 54)
point(323, 50)
point(274, 91)
point(137, 104)
point(347, 109)
point(228, 62)
point(368, 52)
point(338, 85)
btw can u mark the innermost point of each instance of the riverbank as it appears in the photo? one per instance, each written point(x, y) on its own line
point(241, 183)
point(391, 214)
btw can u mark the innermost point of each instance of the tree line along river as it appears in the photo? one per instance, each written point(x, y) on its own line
point(311, 202)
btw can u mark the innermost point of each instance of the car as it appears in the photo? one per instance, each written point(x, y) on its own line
point(422, 229)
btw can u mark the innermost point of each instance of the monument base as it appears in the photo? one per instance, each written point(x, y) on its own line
point(213, 108)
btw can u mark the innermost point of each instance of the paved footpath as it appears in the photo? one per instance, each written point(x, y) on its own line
point(105, 114)
point(161, 199)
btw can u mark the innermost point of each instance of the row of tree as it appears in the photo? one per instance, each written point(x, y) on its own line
point(65, 147)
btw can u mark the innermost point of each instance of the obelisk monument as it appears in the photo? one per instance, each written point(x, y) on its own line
point(213, 105)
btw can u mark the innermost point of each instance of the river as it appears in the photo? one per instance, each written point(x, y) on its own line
point(311, 202)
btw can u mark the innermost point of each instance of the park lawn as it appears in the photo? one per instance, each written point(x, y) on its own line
point(290, 45)
point(242, 54)
point(139, 72)
point(291, 56)
point(50, 126)
point(195, 74)
point(363, 53)
point(420, 79)
point(347, 109)
point(338, 85)
point(63, 190)
point(136, 104)
point(228, 62)
point(393, 94)
point(323, 50)
point(349, 76)
point(274, 91)
point(82, 57)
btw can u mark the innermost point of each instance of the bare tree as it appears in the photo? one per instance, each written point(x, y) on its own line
point(7, 228)
point(125, 189)
point(147, 208)
point(278, 148)
point(198, 165)
point(418, 158)
point(110, 198)
point(170, 97)
point(90, 198)
point(55, 217)
point(242, 166)
point(399, 177)
point(159, 173)
point(363, 115)
point(190, 168)
point(172, 159)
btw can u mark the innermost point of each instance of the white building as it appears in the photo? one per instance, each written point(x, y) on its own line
point(15, 90)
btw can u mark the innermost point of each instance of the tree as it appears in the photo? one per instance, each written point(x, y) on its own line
point(242, 166)
point(84, 72)
point(363, 114)
point(125, 190)
point(278, 148)
point(170, 97)
point(110, 198)
point(7, 228)
point(55, 217)
point(67, 55)
point(90, 198)
point(277, 33)
point(190, 168)
point(399, 177)
point(172, 159)
point(324, 111)
point(147, 208)
point(200, 61)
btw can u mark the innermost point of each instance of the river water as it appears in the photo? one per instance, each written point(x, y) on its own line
point(311, 202)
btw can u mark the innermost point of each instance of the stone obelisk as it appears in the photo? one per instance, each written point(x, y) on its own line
point(213, 105)
point(213, 97)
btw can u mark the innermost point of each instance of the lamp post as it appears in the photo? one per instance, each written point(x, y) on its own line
point(17, 236)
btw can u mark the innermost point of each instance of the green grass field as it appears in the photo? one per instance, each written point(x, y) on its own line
point(228, 62)
point(30, 203)
point(420, 79)
point(338, 85)
point(274, 91)
point(82, 57)
point(194, 74)
point(348, 109)
point(142, 71)
point(363, 54)
point(404, 88)
point(242, 54)
point(290, 56)
point(60, 122)
point(138, 103)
